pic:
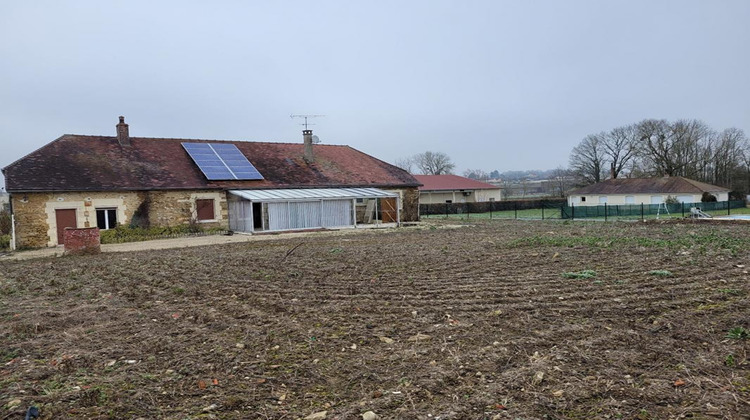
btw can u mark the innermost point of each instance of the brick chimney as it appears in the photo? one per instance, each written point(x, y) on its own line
point(123, 134)
point(612, 170)
point(307, 136)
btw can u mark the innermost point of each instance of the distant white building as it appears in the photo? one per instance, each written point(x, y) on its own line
point(620, 191)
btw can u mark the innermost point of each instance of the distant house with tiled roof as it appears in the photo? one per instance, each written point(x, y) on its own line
point(645, 190)
point(455, 189)
point(87, 181)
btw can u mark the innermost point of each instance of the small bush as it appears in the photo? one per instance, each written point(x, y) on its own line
point(707, 197)
point(124, 233)
point(4, 242)
point(5, 222)
point(671, 200)
point(738, 333)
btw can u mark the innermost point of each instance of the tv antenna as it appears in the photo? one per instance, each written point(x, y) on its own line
point(306, 116)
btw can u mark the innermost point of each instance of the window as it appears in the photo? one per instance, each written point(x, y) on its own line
point(106, 218)
point(583, 199)
point(448, 201)
point(603, 199)
point(204, 209)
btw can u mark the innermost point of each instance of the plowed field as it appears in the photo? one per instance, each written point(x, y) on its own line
point(496, 320)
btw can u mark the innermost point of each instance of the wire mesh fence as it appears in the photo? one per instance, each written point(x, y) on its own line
point(559, 209)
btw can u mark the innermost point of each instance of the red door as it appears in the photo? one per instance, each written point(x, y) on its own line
point(65, 218)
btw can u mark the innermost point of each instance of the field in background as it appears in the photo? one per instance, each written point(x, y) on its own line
point(492, 320)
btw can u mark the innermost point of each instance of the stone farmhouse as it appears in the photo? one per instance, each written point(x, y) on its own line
point(620, 191)
point(87, 181)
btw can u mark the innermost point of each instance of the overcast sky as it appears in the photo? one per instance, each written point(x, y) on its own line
point(504, 85)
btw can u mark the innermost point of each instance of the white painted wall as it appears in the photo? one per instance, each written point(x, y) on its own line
point(620, 199)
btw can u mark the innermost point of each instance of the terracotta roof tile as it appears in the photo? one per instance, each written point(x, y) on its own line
point(100, 163)
point(664, 185)
point(451, 183)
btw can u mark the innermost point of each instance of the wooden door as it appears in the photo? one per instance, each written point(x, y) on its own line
point(389, 212)
point(65, 218)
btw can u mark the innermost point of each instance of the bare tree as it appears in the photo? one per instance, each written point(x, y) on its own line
point(476, 174)
point(406, 164)
point(433, 163)
point(676, 149)
point(560, 181)
point(619, 148)
point(688, 148)
point(587, 159)
point(728, 155)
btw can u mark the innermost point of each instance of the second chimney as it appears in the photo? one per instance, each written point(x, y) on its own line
point(123, 134)
point(307, 136)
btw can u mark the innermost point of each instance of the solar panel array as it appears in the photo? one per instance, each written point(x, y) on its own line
point(221, 161)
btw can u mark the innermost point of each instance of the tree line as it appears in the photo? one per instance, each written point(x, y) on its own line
point(688, 148)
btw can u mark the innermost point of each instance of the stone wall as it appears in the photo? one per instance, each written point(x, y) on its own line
point(36, 224)
point(35, 221)
point(172, 208)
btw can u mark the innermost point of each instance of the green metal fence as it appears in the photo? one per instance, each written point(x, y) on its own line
point(644, 211)
point(559, 209)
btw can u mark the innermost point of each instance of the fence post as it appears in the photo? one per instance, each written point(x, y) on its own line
point(515, 209)
point(446, 210)
point(682, 204)
point(491, 205)
point(728, 208)
point(642, 212)
point(467, 210)
point(572, 211)
point(605, 212)
point(542, 211)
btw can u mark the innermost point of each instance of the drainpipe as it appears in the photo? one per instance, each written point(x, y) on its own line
point(12, 223)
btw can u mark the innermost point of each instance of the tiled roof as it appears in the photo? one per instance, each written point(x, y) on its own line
point(100, 163)
point(664, 185)
point(451, 183)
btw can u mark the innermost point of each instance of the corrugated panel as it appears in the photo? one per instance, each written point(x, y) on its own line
point(304, 215)
point(337, 213)
point(312, 193)
point(278, 216)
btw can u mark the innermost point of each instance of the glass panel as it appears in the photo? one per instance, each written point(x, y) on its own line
point(100, 222)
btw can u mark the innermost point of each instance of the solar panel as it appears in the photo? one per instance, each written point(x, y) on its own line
point(221, 161)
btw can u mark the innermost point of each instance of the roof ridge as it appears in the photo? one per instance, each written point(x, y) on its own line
point(203, 140)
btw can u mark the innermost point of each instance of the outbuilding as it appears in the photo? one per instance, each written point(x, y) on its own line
point(619, 191)
point(455, 189)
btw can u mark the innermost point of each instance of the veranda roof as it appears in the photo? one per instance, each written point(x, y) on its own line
point(289, 194)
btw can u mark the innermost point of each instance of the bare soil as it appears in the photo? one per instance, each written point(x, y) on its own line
point(418, 323)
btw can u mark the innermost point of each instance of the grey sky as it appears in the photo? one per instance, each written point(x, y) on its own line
point(501, 85)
